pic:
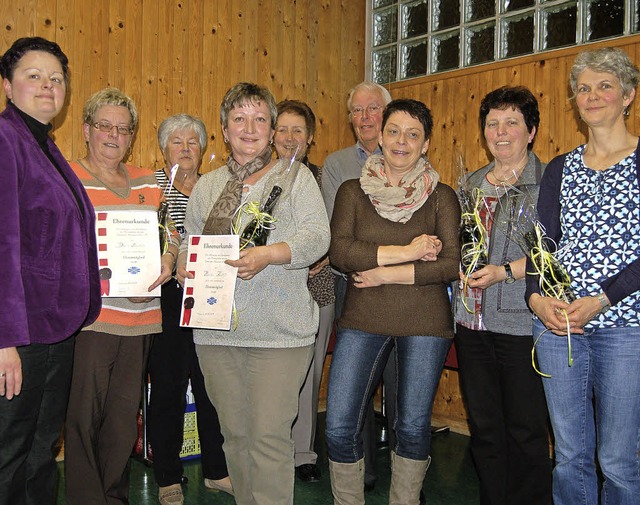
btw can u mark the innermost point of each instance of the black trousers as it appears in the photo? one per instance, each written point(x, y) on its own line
point(31, 424)
point(172, 362)
point(507, 416)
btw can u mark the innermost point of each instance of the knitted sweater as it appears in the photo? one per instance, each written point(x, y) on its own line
point(119, 316)
point(275, 308)
point(396, 309)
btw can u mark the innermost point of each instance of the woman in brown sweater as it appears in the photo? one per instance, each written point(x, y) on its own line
point(396, 230)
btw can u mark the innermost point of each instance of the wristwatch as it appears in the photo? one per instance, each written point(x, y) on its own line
point(510, 278)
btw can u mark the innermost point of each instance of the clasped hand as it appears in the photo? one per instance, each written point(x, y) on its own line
point(555, 314)
point(424, 248)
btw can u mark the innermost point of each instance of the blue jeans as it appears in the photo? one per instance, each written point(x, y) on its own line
point(358, 361)
point(606, 368)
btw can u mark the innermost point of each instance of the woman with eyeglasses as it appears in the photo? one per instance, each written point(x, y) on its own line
point(395, 231)
point(110, 354)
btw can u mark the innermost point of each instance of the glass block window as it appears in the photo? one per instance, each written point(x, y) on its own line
point(413, 38)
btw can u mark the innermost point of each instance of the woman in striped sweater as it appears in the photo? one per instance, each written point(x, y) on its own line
point(110, 354)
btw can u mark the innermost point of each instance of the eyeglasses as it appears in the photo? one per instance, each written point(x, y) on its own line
point(108, 128)
point(372, 110)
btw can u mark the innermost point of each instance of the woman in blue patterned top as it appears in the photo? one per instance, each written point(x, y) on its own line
point(589, 204)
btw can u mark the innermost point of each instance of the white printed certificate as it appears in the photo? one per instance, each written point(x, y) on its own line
point(208, 297)
point(128, 252)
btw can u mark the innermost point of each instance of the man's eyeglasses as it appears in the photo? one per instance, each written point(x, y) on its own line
point(108, 128)
point(372, 110)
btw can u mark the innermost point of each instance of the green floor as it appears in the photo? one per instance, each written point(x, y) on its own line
point(451, 479)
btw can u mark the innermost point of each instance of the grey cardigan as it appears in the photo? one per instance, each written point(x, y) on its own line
point(503, 305)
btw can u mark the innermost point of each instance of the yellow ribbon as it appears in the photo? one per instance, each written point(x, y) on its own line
point(550, 285)
point(252, 209)
point(473, 252)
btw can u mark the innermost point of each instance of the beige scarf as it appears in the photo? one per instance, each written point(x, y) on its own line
point(398, 203)
point(219, 220)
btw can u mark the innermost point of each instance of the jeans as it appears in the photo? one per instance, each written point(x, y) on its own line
point(358, 361)
point(595, 409)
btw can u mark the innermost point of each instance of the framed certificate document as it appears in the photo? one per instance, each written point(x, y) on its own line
point(208, 297)
point(128, 252)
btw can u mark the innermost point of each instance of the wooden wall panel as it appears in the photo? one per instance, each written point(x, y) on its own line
point(175, 56)
point(454, 99)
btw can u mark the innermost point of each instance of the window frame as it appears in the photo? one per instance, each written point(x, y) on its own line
point(631, 26)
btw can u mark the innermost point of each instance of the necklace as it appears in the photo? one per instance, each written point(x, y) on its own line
point(514, 174)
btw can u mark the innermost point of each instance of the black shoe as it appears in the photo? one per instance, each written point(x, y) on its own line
point(308, 473)
point(423, 498)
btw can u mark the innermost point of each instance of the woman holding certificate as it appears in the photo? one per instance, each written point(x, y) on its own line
point(254, 371)
point(110, 354)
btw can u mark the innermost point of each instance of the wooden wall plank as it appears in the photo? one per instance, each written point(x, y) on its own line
point(149, 86)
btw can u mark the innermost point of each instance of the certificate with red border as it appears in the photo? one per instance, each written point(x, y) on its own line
point(128, 252)
point(208, 297)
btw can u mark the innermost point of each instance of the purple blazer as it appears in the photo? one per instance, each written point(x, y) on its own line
point(50, 286)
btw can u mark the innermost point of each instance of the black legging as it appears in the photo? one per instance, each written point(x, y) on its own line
point(172, 362)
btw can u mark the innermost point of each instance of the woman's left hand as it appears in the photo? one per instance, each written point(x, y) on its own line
point(166, 269)
point(485, 277)
point(581, 311)
point(369, 278)
point(252, 261)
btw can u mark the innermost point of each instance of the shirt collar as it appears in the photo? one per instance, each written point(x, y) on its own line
point(362, 152)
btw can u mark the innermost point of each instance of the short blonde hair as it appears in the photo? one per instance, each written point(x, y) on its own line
point(109, 96)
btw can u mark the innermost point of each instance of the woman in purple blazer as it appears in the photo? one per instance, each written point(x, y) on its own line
point(50, 283)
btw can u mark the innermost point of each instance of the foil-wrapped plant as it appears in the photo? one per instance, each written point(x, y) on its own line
point(165, 225)
point(473, 234)
point(524, 226)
